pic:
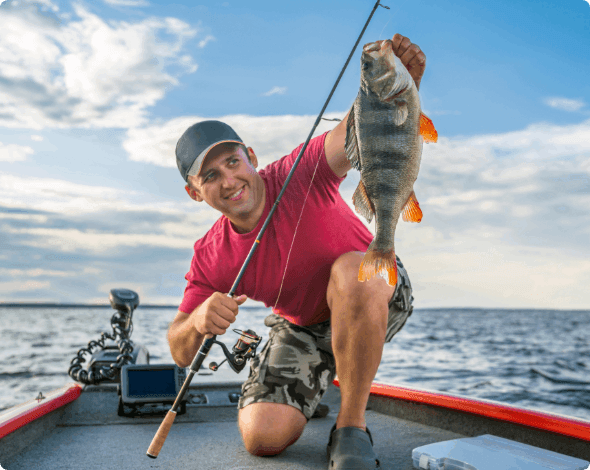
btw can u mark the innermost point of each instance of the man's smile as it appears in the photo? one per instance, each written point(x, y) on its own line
point(237, 195)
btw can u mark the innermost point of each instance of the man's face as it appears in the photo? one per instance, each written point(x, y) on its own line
point(229, 183)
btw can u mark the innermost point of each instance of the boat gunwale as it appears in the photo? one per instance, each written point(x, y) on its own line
point(20, 415)
point(544, 421)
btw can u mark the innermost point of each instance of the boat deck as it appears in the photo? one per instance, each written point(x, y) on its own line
point(89, 434)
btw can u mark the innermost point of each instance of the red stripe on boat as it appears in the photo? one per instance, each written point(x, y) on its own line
point(535, 419)
point(16, 417)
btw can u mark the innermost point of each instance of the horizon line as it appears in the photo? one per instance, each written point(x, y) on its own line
point(108, 305)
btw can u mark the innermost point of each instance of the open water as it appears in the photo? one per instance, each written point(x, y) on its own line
point(535, 359)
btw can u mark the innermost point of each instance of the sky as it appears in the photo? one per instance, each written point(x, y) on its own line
point(94, 96)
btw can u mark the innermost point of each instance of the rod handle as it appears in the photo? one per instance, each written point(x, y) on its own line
point(160, 437)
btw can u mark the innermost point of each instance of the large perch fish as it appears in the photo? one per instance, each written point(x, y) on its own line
point(384, 137)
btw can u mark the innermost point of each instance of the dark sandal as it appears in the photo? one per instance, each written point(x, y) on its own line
point(351, 448)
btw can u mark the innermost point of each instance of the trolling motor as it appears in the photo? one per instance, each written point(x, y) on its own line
point(107, 360)
point(244, 349)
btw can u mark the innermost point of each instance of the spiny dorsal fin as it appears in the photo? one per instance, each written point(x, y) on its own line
point(351, 147)
point(362, 203)
point(427, 130)
point(400, 112)
point(411, 211)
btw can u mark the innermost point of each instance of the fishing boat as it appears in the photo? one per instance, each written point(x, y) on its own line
point(100, 426)
point(79, 427)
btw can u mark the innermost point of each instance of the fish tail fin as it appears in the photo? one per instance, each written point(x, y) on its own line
point(378, 262)
point(427, 130)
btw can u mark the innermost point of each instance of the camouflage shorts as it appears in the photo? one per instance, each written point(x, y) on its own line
point(297, 364)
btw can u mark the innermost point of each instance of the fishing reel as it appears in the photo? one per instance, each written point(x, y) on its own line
point(244, 349)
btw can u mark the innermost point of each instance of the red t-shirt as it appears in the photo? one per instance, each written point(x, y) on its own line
point(328, 228)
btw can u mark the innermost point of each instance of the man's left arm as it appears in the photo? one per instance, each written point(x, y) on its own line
point(415, 61)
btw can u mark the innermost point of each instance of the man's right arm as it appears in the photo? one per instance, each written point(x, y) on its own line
point(184, 339)
point(212, 317)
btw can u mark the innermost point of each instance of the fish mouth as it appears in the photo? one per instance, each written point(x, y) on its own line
point(372, 47)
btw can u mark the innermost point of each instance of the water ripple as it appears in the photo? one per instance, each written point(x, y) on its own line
point(537, 359)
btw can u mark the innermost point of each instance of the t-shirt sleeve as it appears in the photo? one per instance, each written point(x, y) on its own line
point(197, 290)
point(325, 180)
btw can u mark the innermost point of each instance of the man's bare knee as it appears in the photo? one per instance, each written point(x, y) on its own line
point(269, 428)
point(345, 286)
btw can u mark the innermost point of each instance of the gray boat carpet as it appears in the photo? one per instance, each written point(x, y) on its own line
point(208, 440)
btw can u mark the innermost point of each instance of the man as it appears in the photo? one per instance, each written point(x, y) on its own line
point(324, 320)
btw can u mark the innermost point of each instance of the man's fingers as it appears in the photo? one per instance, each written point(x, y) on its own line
point(396, 41)
point(221, 323)
point(418, 61)
point(410, 54)
point(241, 299)
point(227, 314)
point(400, 44)
point(229, 303)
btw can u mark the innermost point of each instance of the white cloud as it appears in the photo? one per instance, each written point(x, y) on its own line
point(204, 41)
point(24, 286)
point(34, 272)
point(60, 197)
point(37, 138)
point(271, 137)
point(277, 90)
point(57, 195)
point(506, 216)
point(75, 240)
point(469, 269)
point(128, 3)
point(85, 72)
point(565, 104)
point(14, 153)
point(39, 200)
point(44, 4)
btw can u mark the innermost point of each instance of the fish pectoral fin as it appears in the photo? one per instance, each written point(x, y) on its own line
point(351, 147)
point(411, 211)
point(427, 130)
point(362, 203)
point(400, 112)
point(375, 263)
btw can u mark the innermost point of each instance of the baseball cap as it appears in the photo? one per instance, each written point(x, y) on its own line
point(197, 140)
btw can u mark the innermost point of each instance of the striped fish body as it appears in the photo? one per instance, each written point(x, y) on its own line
point(384, 142)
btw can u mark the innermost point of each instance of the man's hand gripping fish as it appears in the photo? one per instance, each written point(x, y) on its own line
point(384, 135)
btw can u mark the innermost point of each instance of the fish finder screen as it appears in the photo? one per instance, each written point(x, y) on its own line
point(151, 383)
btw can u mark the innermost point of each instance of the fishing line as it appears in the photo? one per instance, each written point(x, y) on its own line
point(305, 200)
point(384, 27)
point(162, 433)
point(296, 227)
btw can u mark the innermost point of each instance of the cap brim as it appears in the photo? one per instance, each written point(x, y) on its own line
point(195, 168)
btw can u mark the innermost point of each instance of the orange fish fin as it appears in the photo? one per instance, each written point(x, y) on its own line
point(376, 262)
point(411, 211)
point(362, 202)
point(427, 130)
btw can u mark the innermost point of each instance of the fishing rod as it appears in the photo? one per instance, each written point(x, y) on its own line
point(248, 340)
